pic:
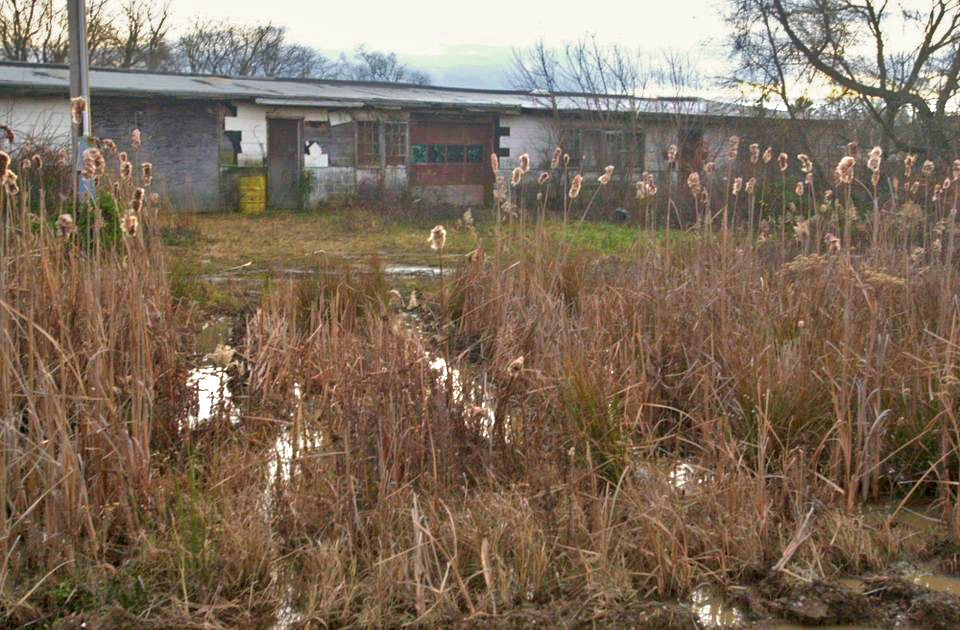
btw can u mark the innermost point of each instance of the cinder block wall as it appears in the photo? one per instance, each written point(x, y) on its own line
point(179, 137)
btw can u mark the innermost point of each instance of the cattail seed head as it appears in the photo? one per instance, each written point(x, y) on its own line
point(809, 179)
point(853, 149)
point(494, 163)
point(92, 160)
point(566, 159)
point(876, 152)
point(844, 170)
point(956, 170)
point(908, 162)
point(607, 174)
point(693, 182)
point(557, 155)
point(136, 204)
point(4, 164)
point(10, 184)
point(798, 189)
point(135, 139)
point(147, 168)
point(516, 177)
point(927, 169)
point(575, 184)
point(805, 164)
point(515, 367)
point(737, 185)
point(437, 238)
point(544, 176)
point(37, 161)
point(154, 198)
point(751, 185)
point(130, 224)
point(767, 155)
point(641, 190)
point(65, 225)
point(733, 147)
point(525, 163)
point(946, 183)
point(832, 242)
point(116, 190)
point(671, 154)
point(828, 195)
point(754, 153)
point(709, 168)
point(6, 133)
point(784, 161)
point(138, 194)
point(62, 158)
point(109, 146)
point(78, 105)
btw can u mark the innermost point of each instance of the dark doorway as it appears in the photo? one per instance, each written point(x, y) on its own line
point(284, 155)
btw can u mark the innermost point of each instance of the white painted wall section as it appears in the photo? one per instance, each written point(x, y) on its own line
point(38, 118)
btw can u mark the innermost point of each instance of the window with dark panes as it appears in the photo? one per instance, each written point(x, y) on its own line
point(639, 151)
point(368, 143)
point(475, 154)
point(591, 149)
point(570, 144)
point(455, 154)
point(395, 140)
point(418, 153)
point(436, 153)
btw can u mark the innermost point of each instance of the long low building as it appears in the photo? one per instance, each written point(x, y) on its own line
point(318, 140)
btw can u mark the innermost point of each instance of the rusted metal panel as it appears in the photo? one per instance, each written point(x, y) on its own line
point(450, 152)
point(284, 154)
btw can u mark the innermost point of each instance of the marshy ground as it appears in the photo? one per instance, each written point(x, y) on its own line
point(581, 425)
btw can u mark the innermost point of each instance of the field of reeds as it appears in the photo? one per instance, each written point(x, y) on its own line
point(543, 436)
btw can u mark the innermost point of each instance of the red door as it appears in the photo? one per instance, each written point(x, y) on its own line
point(450, 153)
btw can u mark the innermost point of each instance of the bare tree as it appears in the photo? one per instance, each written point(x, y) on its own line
point(36, 30)
point(141, 40)
point(22, 24)
point(212, 48)
point(786, 49)
point(369, 65)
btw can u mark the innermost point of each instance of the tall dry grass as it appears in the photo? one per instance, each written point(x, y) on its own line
point(699, 411)
point(554, 432)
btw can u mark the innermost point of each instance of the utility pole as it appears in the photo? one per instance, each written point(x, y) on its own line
point(79, 80)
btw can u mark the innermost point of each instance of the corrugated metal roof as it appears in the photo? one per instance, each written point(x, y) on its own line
point(323, 93)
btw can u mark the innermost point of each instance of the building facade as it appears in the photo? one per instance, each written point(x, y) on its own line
point(318, 141)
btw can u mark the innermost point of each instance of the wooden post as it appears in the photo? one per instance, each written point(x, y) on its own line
point(79, 80)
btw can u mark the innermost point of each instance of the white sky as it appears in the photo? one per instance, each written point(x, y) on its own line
point(448, 38)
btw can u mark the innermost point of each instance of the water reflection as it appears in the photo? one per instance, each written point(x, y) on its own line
point(712, 611)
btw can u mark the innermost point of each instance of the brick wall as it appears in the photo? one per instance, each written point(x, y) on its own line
point(180, 138)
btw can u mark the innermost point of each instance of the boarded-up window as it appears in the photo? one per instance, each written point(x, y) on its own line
point(597, 148)
point(368, 143)
point(395, 140)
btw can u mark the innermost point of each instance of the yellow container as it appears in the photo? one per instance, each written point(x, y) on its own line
point(252, 191)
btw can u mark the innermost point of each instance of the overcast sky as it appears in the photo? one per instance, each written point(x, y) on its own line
point(469, 44)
